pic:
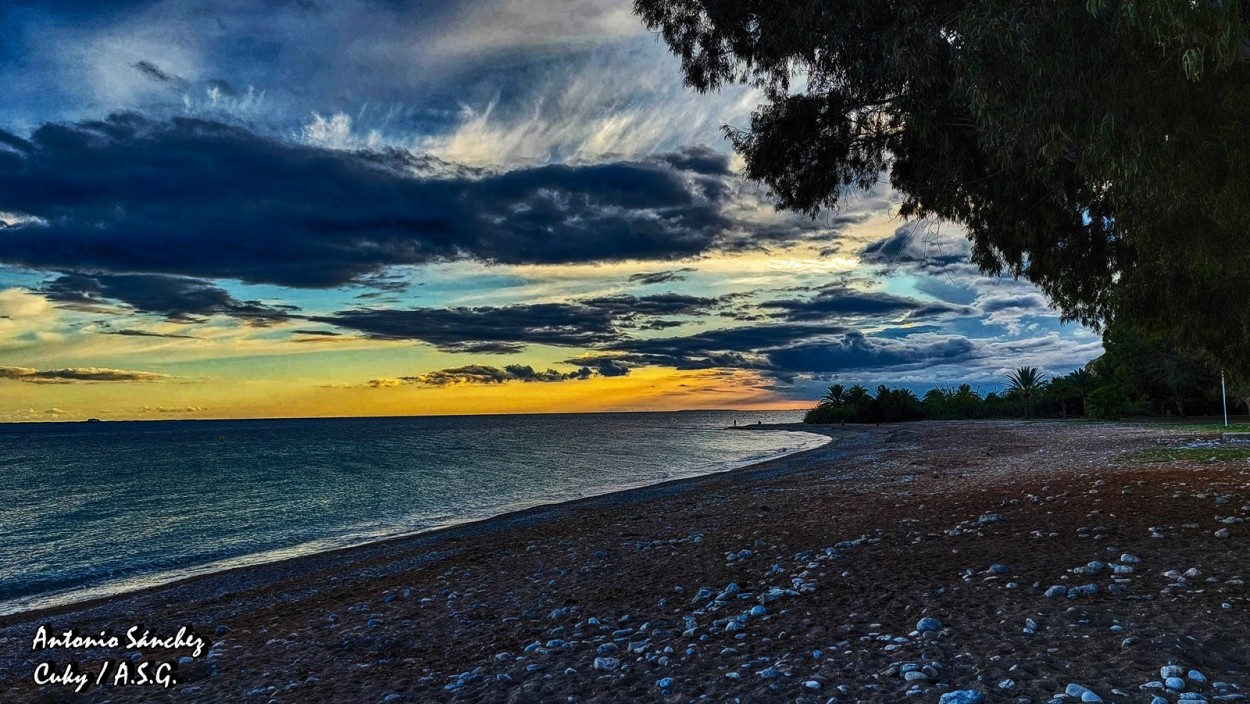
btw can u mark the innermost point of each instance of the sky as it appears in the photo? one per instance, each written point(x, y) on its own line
point(240, 208)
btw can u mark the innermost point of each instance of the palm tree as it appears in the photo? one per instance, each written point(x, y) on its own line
point(857, 394)
point(966, 400)
point(1026, 381)
point(858, 401)
point(1082, 381)
point(835, 396)
point(965, 395)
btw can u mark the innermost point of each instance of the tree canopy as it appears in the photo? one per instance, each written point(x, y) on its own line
point(1100, 149)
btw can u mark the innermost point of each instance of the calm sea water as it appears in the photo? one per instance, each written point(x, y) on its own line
point(96, 508)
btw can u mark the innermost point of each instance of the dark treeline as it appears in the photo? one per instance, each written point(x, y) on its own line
point(1136, 376)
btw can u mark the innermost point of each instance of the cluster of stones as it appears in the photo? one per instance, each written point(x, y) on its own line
point(1118, 571)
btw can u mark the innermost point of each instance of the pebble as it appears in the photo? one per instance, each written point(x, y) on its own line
point(1083, 590)
point(928, 624)
point(606, 664)
point(812, 684)
point(962, 696)
point(665, 683)
point(915, 676)
point(1174, 683)
point(1076, 690)
point(1195, 676)
point(1221, 533)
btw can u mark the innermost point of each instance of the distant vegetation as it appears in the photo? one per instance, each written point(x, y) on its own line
point(1136, 376)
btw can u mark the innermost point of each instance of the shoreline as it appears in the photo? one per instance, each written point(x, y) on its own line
point(803, 579)
point(455, 531)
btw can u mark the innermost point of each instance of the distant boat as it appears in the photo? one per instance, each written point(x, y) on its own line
point(93, 420)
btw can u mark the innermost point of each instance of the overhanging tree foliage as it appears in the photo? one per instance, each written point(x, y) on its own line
point(1100, 149)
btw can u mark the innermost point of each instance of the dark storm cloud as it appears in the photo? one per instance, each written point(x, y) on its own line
point(625, 305)
point(660, 324)
point(838, 300)
point(610, 368)
point(507, 329)
point(204, 199)
point(701, 160)
point(75, 374)
point(562, 324)
point(470, 374)
point(660, 277)
point(486, 374)
point(744, 347)
point(605, 366)
point(856, 351)
point(907, 247)
point(787, 349)
point(174, 297)
point(473, 374)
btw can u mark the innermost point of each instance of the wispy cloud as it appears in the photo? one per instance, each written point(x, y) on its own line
point(76, 374)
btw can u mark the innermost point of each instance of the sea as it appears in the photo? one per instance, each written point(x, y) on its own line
point(94, 509)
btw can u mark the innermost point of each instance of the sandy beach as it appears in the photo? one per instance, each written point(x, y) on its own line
point(1012, 560)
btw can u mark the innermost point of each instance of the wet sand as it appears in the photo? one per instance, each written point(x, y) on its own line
point(842, 550)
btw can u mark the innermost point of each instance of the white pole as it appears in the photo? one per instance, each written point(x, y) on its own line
point(1224, 393)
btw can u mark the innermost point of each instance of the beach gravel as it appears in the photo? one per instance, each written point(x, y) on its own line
point(936, 562)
